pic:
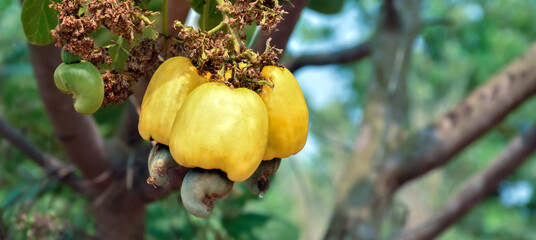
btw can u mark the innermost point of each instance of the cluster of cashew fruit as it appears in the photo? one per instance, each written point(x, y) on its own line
point(224, 135)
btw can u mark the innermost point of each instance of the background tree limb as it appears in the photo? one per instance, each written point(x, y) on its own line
point(438, 143)
point(477, 188)
point(355, 53)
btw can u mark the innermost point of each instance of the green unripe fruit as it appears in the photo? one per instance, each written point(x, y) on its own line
point(201, 187)
point(84, 81)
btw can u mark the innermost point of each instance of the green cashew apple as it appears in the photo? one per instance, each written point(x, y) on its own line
point(83, 80)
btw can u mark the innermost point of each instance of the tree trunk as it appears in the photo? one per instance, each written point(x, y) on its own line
point(119, 214)
point(122, 219)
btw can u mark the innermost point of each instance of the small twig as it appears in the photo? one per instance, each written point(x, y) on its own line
point(164, 25)
point(477, 188)
point(218, 27)
point(52, 166)
point(236, 37)
point(205, 15)
point(355, 53)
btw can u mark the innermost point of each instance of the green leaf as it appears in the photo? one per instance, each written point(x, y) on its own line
point(209, 15)
point(118, 54)
point(143, 4)
point(209, 21)
point(259, 226)
point(37, 21)
point(326, 6)
point(20, 194)
point(198, 5)
point(149, 33)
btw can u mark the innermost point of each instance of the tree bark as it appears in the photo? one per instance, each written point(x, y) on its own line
point(121, 216)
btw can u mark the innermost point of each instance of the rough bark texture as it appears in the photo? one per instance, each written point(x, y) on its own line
point(119, 215)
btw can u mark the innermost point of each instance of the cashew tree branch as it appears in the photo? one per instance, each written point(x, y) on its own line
point(477, 188)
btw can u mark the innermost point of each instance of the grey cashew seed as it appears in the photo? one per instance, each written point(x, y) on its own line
point(259, 182)
point(160, 160)
point(201, 187)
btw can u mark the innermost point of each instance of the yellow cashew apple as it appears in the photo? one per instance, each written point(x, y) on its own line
point(287, 113)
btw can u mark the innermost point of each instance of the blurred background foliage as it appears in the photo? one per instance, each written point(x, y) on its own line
point(449, 60)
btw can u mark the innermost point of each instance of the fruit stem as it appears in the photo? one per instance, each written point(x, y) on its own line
point(234, 34)
point(217, 28)
point(164, 25)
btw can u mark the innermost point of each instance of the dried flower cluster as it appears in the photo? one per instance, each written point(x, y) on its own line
point(72, 33)
point(142, 61)
point(218, 54)
point(41, 226)
point(214, 54)
point(266, 13)
point(117, 87)
point(79, 18)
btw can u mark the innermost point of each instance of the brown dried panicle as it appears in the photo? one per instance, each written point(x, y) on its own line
point(143, 59)
point(117, 87)
point(79, 18)
point(266, 13)
point(121, 17)
point(214, 53)
point(73, 29)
